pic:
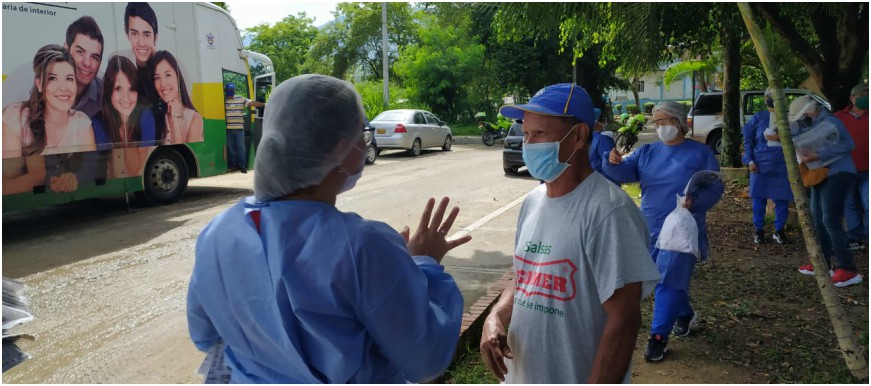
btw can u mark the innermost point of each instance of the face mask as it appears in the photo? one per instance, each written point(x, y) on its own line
point(542, 159)
point(351, 179)
point(666, 133)
point(230, 93)
point(769, 102)
point(862, 102)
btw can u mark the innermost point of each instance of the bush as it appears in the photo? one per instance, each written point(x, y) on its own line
point(632, 109)
point(618, 109)
point(648, 107)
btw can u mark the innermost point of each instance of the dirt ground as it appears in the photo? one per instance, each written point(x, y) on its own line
point(761, 321)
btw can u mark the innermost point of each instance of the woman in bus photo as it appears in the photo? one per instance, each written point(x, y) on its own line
point(183, 122)
point(45, 124)
point(125, 122)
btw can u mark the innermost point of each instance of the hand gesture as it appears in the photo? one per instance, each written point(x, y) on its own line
point(615, 158)
point(431, 236)
point(494, 346)
point(753, 168)
point(64, 183)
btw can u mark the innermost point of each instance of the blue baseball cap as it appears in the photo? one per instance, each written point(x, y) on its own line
point(229, 86)
point(559, 100)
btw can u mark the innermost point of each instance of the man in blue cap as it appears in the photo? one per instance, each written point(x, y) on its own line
point(234, 107)
point(580, 258)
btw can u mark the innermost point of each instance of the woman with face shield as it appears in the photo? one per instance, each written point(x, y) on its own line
point(807, 119)
point(768, 179)
point(301, 292)
point(663, 169)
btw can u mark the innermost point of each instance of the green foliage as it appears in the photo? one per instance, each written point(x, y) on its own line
point(618, 108)
point(372, 94)
point(632, 109)
point(438, 68)
point(792, 72)
point(352, 41)
point(648, 107)
point(239, 80)
point(286, 43)
point(222, 5)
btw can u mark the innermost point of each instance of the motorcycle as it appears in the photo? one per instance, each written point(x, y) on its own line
point(627, 136)
point(492, 132)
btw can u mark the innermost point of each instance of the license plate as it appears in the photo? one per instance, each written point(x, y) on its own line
point(380, 131)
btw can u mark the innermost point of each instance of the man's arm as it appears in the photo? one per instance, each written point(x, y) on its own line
point(256, 104)
point(612, 359)
point(494, 337)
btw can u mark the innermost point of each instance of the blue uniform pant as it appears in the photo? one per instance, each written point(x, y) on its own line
point(856, 209)
point(236, 157)
point(781, 212)
point(671, 297)
point(827, 210)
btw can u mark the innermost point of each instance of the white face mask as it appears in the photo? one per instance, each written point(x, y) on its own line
point(352, 178)
point(666, 133)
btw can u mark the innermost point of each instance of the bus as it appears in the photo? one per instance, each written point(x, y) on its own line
point(107, 99)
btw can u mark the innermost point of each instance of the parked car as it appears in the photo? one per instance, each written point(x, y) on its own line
point(412, 130)
point(512, 154)
point(705, 118)
point(372, 151)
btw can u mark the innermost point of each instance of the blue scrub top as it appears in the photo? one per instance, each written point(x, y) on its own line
point(663, 172)
point(319, 296)
point(771, 180)
point(599, 148)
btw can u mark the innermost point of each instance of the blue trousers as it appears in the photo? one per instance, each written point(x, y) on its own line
point(236, 157)
point(781, 212)
point(856, 209)
point(671, 297)
point(827, 210)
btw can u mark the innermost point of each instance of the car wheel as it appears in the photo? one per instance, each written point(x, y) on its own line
point(448, 142)
point(510, 171)
point(488, 138)
point(371, 154)
point(715, 141)
point(415, 148)
point(166, 176)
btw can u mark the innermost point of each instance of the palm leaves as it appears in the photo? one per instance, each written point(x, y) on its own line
point(682, 69)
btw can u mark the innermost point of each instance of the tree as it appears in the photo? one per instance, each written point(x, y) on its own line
point(353, 39)
point(699, 69)
point(222, 5)
point(850, 349)
point(835, 47)
point(437, 69)
point(286, 43)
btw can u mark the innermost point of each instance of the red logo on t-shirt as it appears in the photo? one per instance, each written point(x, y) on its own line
point(551, 279)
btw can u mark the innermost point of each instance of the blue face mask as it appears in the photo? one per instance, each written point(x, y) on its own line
point(542, 159)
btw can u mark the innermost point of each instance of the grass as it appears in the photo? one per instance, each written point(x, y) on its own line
point(634, 191)
point(469, 369)
point(465, 129)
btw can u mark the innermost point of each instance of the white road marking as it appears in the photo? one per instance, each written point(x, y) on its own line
point(488, 218)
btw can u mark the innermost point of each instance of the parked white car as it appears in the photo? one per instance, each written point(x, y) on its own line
point(705, 119)
point(412, 130)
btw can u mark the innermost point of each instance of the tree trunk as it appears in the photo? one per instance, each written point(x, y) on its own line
point(850, 349)
point(635, 92)
point(731, 154)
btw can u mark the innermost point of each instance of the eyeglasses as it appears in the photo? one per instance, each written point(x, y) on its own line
point(661, 120)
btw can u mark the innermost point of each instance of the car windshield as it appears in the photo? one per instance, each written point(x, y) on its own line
point(391, 116)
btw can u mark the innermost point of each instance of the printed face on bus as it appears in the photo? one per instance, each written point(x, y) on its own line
point(59, 90)
point(142, 39)
point(166, 81)
point(124, 96)
point(87, 53)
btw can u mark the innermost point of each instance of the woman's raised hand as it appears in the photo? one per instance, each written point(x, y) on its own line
point(432, 232)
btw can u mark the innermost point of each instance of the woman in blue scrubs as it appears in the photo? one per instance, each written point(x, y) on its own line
point(298, 291)
point(768, 179)
point(663, 169)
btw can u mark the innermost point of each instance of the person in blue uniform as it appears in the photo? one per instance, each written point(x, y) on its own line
point(601, 145)
point(768, 179)
point(298, 291)
point(663, 169)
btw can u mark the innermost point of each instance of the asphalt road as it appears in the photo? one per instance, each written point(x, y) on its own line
point(108, 285)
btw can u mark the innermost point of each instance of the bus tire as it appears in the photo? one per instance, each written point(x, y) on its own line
point(165, 177)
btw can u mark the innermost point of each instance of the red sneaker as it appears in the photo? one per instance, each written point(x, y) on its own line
point(843, 278)
point(809, 270)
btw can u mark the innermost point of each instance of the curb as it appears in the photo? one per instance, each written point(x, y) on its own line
point(467, 140)
point(473, 321)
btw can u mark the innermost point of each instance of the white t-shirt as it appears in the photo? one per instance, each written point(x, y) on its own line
point(571, 254)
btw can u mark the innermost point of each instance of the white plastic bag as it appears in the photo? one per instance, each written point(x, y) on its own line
point(679, 232)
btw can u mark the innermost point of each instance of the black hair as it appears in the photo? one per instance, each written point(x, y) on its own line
point(87, 26)
point(142, 11)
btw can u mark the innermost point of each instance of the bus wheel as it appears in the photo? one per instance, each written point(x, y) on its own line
point(166, 176)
